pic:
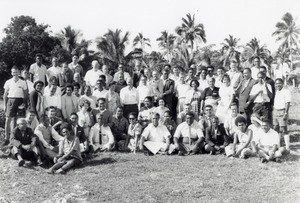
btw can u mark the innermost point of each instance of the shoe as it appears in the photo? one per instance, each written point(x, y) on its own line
point(263, 160)
point(49, 171)
point(277, 160)
point(212, 153)
point(192, 153)
point(180, 153)
point(60, 171)
point(29, 164)
point(21, 163)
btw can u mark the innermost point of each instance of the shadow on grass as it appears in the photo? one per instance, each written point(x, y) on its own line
point(292, 157)
point(99, 161)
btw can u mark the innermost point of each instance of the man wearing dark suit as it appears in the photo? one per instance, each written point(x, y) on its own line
point(215, 137)
point(243, 93)
point(168, 91)
point(138, 72)
point(269, 81)
point(79, 132)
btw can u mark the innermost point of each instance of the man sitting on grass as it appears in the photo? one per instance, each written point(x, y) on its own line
point(24, 141)
point(69, 152)
point(101, 137)
point(268, 143)
point(215, 137)
point(188, 137)
point(156, 137)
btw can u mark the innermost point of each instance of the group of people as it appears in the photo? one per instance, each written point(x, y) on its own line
point(61, 114)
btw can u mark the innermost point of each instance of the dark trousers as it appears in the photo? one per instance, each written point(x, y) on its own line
point(130, 108)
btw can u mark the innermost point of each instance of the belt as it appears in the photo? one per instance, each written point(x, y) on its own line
point(280, 109)
point(15, 98)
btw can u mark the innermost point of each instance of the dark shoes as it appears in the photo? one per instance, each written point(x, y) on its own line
point(21, 163)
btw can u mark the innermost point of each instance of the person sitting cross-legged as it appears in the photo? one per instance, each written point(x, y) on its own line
point(24, 143)
point(215, 137)
point(241, 142)
point(156, 137)
point(69, 152)
point(47, 137)
point(188, 137)
point(268, 143)
point(101, 137)
point(134, 133)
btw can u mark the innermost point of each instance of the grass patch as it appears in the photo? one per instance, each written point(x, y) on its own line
point(120, 177)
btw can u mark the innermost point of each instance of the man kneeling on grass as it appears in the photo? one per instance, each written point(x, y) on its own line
point(188, 137)
point(24, 144)
point(268, 143)
point(69, 152)
point(156, 137)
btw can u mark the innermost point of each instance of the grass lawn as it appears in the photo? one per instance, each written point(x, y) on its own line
point(120, 177)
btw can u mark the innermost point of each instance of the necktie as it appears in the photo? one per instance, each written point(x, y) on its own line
point(100, 135)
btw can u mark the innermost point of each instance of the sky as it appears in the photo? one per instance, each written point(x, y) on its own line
point(244, 19)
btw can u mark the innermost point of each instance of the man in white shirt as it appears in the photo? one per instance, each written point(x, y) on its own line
point(25, 75)
point(268, 143)
point(156, 137)
point(121, 70)
point(54, 70)
point(261, 95)
point(100, 92)
point(47, 135)
point(235, 75)
point(38, 71)
point(92, 76)
point(100, 136)
point(108, 77)
point(281, 109)
point(144, 90)
point(15, 99)
point(255, 68)
point(188, 137)
point(129, 98)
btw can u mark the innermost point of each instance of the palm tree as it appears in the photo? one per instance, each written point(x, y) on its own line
point(288, 32)
point(183, 57)
point(252, 50)
point(142, 41)
point(167, 44)
point(112, 46)
point(68, 38)
point(230, 49)
point(190, 32)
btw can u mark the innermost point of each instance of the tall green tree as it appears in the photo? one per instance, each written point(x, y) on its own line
point(141, 41)
point(112, 47)
point(23, 39)
point(167, 44)
point(230, 49)
point(191, 32)
point(287, 32)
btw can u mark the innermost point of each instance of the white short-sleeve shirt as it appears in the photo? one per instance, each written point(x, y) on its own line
point(92, 76)
point(15, 89)
point(262, 97)
point(184, 130)
point(281, 98)
point(269, 138)
point(156, 134)
point(39, 72)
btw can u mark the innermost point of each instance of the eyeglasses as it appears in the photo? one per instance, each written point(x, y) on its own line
point(131, 118)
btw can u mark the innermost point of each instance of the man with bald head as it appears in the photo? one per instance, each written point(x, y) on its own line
point(92, 75)
point(24, 143)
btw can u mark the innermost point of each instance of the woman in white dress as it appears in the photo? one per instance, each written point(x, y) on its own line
point(226, 93)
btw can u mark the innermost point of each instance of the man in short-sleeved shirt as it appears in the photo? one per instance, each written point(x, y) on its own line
point(155, 137)
point(92, 76)
point(281, 109)
point(15, 97)
point(188, 137)
point(38, 71)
